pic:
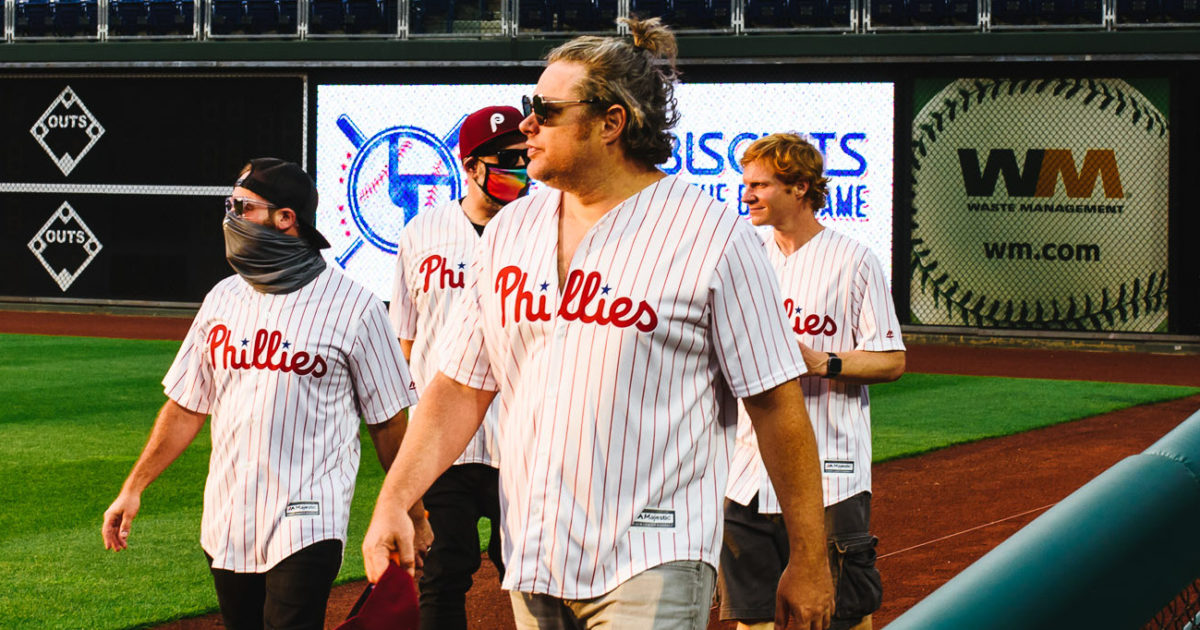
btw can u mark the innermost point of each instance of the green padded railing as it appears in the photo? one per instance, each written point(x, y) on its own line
point(1110, 555)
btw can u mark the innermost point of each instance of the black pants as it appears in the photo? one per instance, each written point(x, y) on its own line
point(755, 552)
point(291, 596)
point(455, 502)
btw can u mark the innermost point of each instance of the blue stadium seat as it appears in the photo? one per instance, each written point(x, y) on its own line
point(270, 17)
point(227, 16)
point(651, 8)
point(1182, 11)
point(837, 13)
point(962, 12)
point(534, 15)
point(767, 14)
point(370, 16)
point(127, 17)
point(812, 13)
point(1068, 11)
point(890, 13)
point(33, 18)
point(431, 16)
point(1013, 12)
point(75, 18)
point(706, 14)
point(171, 17)
point(584, 15)
point(326, 16)
point(798, 13)
point(1140, 11)
point(287, 16)
point(606, 15)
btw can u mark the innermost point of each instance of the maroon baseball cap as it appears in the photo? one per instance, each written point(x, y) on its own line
point(486, 125)
point(389, 605)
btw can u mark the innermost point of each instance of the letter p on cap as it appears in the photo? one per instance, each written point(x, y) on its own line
point(497, 118)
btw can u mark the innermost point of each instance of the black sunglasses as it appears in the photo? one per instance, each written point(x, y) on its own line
point(510, 158)
point(536, 105)
point(241, 205)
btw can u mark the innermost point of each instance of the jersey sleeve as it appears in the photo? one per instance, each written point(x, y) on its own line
point(403, 311)
point(189, 381)
point(878, 328)
point(755, 349)
point(382, 383)
point(464, 356)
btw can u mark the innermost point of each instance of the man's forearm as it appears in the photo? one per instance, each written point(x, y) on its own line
point(789, 452)
point(387, 437)
point(450, 415)
point(860, 367)
point(174, 429)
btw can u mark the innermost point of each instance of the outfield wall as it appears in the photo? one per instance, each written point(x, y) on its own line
point(1050, 196)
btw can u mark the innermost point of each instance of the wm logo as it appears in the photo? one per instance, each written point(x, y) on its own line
point(1040, 173)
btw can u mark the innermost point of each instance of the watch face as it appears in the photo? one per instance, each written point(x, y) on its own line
point(834, 367)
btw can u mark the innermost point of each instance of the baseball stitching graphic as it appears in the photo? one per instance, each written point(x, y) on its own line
point(399, 169)
point(1040, 203)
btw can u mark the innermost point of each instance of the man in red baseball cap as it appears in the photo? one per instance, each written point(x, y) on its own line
point(435, 260)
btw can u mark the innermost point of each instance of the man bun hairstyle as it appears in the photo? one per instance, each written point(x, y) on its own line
point(795, 161)
point(638, 75)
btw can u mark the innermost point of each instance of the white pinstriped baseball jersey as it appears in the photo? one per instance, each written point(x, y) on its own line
point(836, 299)
point(285, 377)
point(617, 393)
point(435, 259)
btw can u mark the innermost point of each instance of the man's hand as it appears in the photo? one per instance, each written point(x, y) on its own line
point(389, 539)
point(804, 599)
point(816, 361)
point(422, 538)
point(117, 520)
point(174, 428)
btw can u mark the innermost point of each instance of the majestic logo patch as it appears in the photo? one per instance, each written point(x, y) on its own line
point(651, 517)
point(302, 508)
point(67, 130)
point(65, 246)
point(836, 466)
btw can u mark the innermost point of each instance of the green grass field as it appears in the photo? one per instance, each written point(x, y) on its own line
point(77, 411)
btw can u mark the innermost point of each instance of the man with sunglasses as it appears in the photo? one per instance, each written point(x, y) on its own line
point(435, 260)
point(618, 316)
point(285, 355)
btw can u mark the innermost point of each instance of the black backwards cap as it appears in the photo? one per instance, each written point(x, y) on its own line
point(286, 185)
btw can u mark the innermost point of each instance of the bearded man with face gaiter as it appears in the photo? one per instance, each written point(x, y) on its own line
point(285, 356)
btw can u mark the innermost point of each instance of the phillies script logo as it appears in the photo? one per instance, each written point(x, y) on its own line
point(1039, 177)
point(264, 354)
point(582, 300)
point(813, 324)
point(437, 268)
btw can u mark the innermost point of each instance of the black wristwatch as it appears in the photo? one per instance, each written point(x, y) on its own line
point(834, 366)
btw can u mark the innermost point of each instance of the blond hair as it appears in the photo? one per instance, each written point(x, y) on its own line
point(795, 161)
point(639, 76)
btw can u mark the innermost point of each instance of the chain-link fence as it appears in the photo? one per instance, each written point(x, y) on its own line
point(1182, 613)
point(1040, 204)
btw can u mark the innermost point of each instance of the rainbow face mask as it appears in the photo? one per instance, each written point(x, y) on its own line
point(504, 185)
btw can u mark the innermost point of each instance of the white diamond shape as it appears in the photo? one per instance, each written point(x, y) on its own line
point(92, 246)
point(66, 162)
